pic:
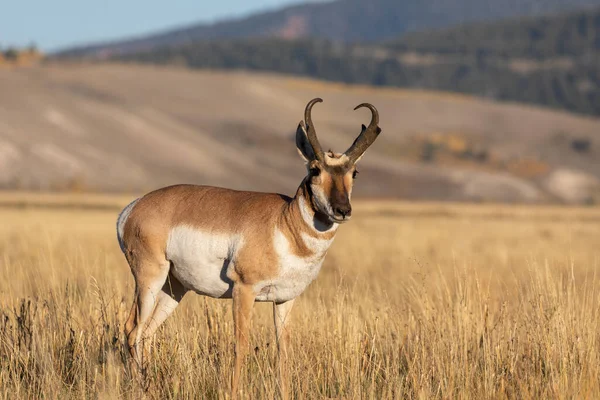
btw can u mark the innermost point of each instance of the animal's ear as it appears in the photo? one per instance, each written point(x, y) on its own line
point(303, 145)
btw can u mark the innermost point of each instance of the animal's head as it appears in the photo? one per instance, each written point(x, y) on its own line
point(331, 175)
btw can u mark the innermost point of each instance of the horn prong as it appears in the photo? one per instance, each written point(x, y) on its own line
point(367, 136)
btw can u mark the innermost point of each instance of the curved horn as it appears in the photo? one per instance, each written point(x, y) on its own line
point(311, 134)
point(367, 135)
point(374, 113)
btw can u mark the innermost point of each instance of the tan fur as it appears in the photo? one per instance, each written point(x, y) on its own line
point(336, 174)
point(217, 210)
point(214, 210)
point(301, 227)
point(243, 300)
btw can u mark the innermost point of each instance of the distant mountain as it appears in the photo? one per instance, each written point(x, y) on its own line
point(340, 20)
point(548, 60)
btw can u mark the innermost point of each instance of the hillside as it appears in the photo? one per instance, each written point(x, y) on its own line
point(553, 61)
point(340, 20)
point(134, 128)
point(568, 34)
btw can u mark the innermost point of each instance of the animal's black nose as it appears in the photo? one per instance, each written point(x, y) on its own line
point(344, 211)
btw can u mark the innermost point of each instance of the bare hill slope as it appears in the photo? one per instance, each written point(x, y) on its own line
point(125, 128)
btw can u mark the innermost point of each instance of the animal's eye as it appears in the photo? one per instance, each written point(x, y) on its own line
point(315, 171)
point(354, 174)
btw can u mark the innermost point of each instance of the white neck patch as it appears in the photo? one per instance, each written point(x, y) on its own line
point(308, 215)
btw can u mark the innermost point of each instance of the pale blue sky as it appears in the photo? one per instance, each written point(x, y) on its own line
point(53, 24)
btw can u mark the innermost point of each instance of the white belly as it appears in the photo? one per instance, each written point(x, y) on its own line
point(295, 273)
point(200, 260)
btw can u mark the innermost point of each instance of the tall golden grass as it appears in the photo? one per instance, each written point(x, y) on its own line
point(414, 301)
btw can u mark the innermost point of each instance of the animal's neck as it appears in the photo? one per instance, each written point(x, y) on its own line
point(301, 217)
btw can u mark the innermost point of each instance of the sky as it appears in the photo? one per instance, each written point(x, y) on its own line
point(55, 24)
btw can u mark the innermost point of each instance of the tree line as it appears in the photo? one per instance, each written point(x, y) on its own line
point(552, 60)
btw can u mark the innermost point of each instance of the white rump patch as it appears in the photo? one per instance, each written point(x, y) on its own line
point(121, 220)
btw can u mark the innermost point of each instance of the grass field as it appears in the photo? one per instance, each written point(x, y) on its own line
point(414, 301)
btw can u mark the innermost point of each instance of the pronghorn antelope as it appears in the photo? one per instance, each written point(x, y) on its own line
point(246, 246)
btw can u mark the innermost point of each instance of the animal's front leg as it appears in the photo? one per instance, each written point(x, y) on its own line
point(243, 302)
point(281, 316)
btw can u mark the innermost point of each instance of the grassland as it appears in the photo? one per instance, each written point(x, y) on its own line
point(414, 301)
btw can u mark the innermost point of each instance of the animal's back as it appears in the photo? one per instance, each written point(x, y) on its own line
point(198, 229)
point(204, 207)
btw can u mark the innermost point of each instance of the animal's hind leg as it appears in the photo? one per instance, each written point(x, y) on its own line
point(130, 324)
point(168, 299)
point(150, 278)
point(129, 327)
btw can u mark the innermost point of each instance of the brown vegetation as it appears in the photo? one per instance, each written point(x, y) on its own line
point(414, 301)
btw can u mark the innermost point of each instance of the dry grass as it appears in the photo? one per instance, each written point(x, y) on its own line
point(414, 301)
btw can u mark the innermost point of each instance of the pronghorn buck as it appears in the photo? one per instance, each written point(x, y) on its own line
point(247, 246)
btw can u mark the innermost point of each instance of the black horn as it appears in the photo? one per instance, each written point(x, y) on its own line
point(367, 135)
point(311, 133)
